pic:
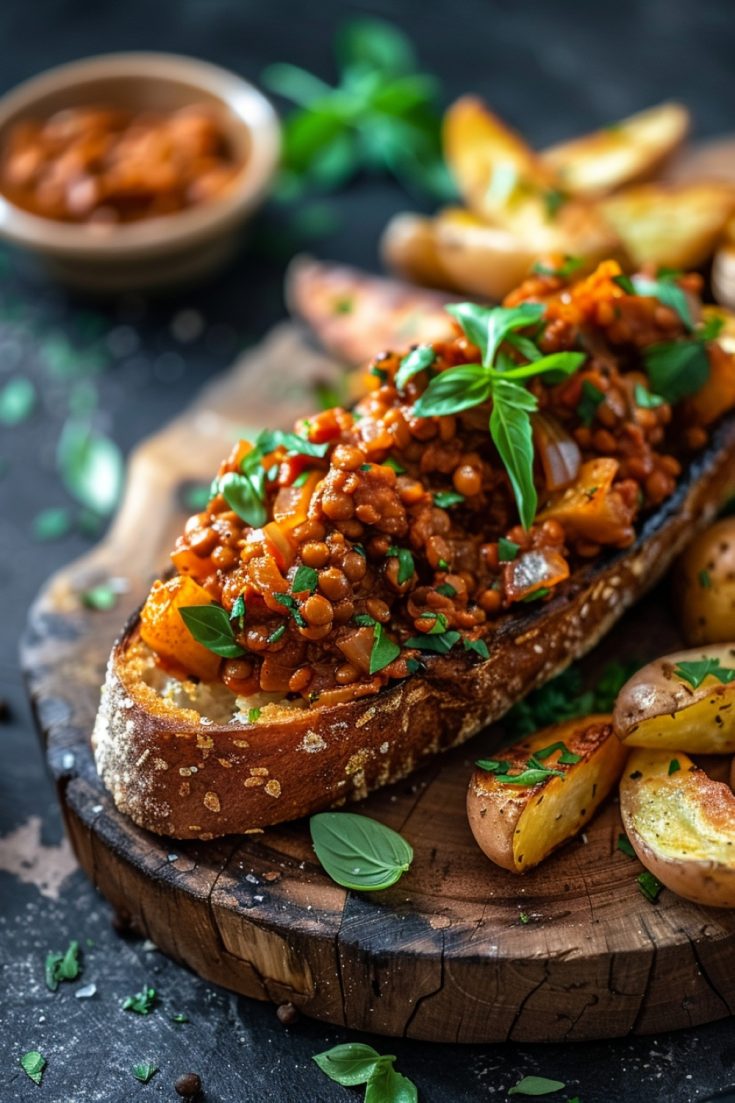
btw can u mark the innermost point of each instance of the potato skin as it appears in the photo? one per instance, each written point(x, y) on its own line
point(681, 825)
point(704, 585)
point(656, 708)
point(518, 827)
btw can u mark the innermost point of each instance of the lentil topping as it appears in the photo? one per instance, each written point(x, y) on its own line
point(335, 559)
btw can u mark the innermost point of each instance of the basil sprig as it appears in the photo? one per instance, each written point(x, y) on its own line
point(358, 852)
point(211, 626)
point(696, 672)
point(357, 1063)
point(499, 378)
point(245, 490)
point(537, 1085)
point(417, 360)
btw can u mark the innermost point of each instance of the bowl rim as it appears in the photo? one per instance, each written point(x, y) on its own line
point(246, 103)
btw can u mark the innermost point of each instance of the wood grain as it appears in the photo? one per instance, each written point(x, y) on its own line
point(459, 950)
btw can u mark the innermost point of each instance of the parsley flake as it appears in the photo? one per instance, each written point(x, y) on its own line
point(674, 765)
point(649, 885)
point(59, 967)
point(592, 397)
point(33, 1064)
point(624, 845)
point(445, 499)
point(144, 1072)
point(696, 672)
point(384, 650)
point(142, 1003)
point(305, 580)
point(406, 566)
point(507, 550)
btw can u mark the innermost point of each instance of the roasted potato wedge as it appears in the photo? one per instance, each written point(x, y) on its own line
point(631, 150)
point(676, 227)
point(681, 825)
point(661, 708)
point(518, 826)
point(704, 585)
point(409, 247)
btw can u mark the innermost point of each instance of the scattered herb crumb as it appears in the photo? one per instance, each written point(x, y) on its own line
point(674, 765)
point(62, 966)
point(524, 917)
point(624, 845)
point(179, 1017)
point(51, 524)
point(536, 1085)
point(100, 598)
point(650, 886)
point(144, 1072)
point(33, 1064)
point(142, 1003)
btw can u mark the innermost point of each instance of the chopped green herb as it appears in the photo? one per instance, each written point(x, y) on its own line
point(144, 1072)
point(277, 634)
point(567, 757)
point(649, 885)
point(493, 765)
point(179, 1017)
point(537, 595)
point(445, 499)
point(379, 373)
point(624, 845)
point(554, 200)
point(668, 292)
point(91, 466)
point(406, 566)
point(530, 776)
point(33, 1064)
point(414, 666)
point(101, 597)
point(705, 579)
point(441, 644)
point(479, 647)
point(536, 1085)
point(564, 698)
point(17, 400)
point(446, 590)
point(394, 465)
point(64, 966)
point(301, 479)
point(360, 550)
point(142, 1003)
point(253, 715)
point(52, 524)
point(568, 268)
point(674, 765)
point(677, 369)
point(625, 283)
point(344, 306)
point(443, 565)
point(384, 650)
point(196, 497)
point(417, 360)
point(238, 611)
point(592, 397)
point(524, 917)
point(645, 399)
point(305, 580)
point(211, 626)
point(289, 603)
point(696, 672)
point(507, 550)
point(366, 467)
point(363, 620)
point(359, 852)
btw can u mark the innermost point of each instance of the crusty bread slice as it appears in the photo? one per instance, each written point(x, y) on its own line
point(178, 762)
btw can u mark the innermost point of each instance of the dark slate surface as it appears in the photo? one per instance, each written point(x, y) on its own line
point(551, 68)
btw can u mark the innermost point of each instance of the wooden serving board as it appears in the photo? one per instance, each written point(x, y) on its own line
point(459, 950)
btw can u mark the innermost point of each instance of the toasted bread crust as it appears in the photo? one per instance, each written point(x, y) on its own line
point(177, 775)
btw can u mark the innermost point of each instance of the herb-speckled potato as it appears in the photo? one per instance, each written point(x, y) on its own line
point(570, 769)
point(684, 701)
point(704, 585)
point(681, 824)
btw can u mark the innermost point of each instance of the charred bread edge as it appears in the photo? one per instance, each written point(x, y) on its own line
point(175, 775)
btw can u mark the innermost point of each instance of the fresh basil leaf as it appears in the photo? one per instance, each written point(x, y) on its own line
point(243, 496)
point(440, 645)
point(350, 1064)
point(388, 1086)
point(144, 1071)
point(649, 885)
point(696, 672)
point(17, 400)
point(510, 428)
point(439, 623)
point(565, 363)
point(536, 1085)
point(142, 1003)
point(493, 765)
point(445, 499)
point(568, 268)
point(531, 776)
point(91, 466)
point(305, 579)
point(271, 439)
point(507, 550)
point(210, 626)
point(677, 369)
point(487, 327)
point(290, 603)
point(294, 83)
point(406, 566)
point(384, 650)
point(375, 45)
point(358, 852)
point(667, 292)
point(417, 360)
point(587, 406)
point(33, 1064)
point(624, 845)
point(645, 399)
point(479, 647)
point(454, 390)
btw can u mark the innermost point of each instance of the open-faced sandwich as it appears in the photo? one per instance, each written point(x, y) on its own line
point(379, 583)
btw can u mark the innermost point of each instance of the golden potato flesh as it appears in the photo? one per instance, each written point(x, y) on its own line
point(409, 247)
point(681, 825)
point(517, 826)
point(669, 705)
point(704, 585)
point(630, 150)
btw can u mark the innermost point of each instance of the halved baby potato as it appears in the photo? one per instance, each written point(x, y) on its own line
point(683, 701)
point(704, 585)
point(681, 825)
point(630, 150)
point(517, 826)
